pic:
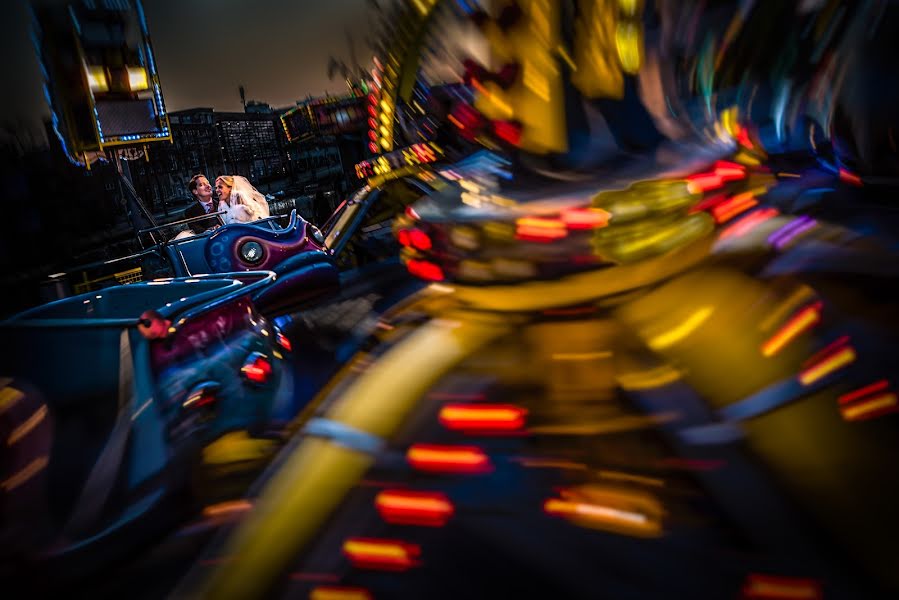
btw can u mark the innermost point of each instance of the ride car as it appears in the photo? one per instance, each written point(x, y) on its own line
point(109, 399)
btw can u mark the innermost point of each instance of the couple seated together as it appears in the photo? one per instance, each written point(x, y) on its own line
point(237, 198)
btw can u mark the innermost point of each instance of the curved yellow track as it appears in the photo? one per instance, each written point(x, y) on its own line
point(320, 472)
point(584, 287)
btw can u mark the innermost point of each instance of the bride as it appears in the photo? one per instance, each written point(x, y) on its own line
point(239, 199)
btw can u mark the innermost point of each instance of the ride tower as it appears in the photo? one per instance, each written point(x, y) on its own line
point(102, 87)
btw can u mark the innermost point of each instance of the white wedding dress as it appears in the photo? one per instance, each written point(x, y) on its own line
point(245, 204)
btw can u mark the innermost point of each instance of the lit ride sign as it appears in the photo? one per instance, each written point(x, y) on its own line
point(416, 154)
point(100, 75)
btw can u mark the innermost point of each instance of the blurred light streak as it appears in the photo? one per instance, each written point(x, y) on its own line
point(482, 417)
point(833, 357)
point(229, 507)
point(735, 26)
point(742, 137)
point(736, 205)
point(339, 593)
point(641, 479)
point(870, 408)
point(703, 182)
point(540, 223)
point(780, 105)
point(619, 511)
point(729, 171)
point(536, 80)
point(502, 200)
point(539, 230)
point(708, 203)
point(744, 158)
point(423, 6)
point(563, 54)
point(403, 507)
point(441, 289)
point(493, 98)
point(787, 306)
point(201, 397)
point(688, 326)
point(257, 368)
point(455, 121)
point(419, 240)
point(629, 44)
point(559, 507)
point(549, 463)
point(466, 6)
point(27, 426)
point(729, 120)
point(472, 199)
point(432, 458)
point(651, 379)
point(783, 236)
point(381, 554)
point(508, 131)
point(781, 588)
point(9, 396)
point(26, 473)
point(850, 178)
point(798, 324)
point(748, 223)
point(629, 7)
point(585, 218)
point(877, 386)
point(425, 270)
point(830, 348)
point(868, 402)
point(284, 342)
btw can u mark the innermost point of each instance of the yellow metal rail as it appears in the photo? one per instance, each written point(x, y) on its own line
point(122, 278)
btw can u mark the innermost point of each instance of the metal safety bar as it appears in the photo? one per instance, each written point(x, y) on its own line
point(181, 222)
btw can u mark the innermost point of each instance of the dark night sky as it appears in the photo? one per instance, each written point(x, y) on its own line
point(204, 49)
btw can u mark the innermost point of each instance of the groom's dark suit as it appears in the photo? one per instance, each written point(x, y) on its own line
point(197, 209)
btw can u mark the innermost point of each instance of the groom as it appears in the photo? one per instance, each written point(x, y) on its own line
point(202, 192)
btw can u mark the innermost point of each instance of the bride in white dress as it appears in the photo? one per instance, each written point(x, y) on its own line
point(240, 200)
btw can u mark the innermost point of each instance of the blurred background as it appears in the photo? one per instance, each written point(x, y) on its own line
point(613, 312)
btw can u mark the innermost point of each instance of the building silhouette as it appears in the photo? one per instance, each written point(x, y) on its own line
point(84, 212)
point(213, 143)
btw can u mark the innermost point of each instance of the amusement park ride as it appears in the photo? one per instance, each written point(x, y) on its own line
point(618, 378)
point(187, 350)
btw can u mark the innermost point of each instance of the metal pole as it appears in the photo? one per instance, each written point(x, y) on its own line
point(133, 203)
